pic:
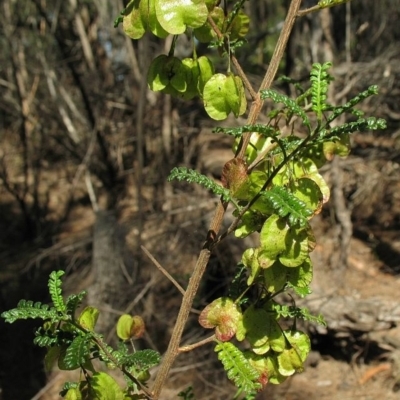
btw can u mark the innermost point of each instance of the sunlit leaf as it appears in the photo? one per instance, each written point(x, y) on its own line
point(267, 366)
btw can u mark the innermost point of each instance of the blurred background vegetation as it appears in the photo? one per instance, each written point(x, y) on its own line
point(85, 150)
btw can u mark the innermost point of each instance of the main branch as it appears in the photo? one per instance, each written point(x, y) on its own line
point(204, 256)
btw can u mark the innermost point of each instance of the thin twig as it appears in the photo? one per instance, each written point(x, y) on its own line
point(310, 10)
point(164, 271)
point(234, 60)
point(193, 346)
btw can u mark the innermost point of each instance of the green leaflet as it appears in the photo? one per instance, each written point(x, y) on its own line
point(180, 78)
point(299, 341)
point(27, 309)
point(320, 80)
point(74, 301)
point(190, 175)
point(238, 368)
point(141, 359)
point(77, 352)
point(55, 291)
point(291, 104)
point(284, 203)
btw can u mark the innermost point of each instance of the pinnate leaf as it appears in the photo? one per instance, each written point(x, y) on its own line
point(238, 368)
point(55, 290)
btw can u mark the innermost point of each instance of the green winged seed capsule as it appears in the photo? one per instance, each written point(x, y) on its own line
point(148, 15)
point(88, 318)
point(177, 15)
point(129, 327)
point(223, 94)
point(104, 387)
point(214, 97)
point(133, 24)
point(206, 71)
point(124, 327)
point(234, 92)
point(206, 34)
point(192, 78)
point(240, 26)
point(167, 74)
point(224, 315)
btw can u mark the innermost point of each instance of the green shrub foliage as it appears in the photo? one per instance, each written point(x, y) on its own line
point(275, 190)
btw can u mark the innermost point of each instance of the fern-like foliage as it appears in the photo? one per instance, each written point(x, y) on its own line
point(320, 80)
point(68, 385)
point(239, 283)
point(190, 175)
point(142, 359)
point(77, 352)
point(285, 204)
point(348, 107)
point(46, 337)
point(264, 130)
point(27, 309)
point(74, 301)
point(238, 369)
point(286, 311)
point(55, 290)
point(289, 103)
point(361, 125)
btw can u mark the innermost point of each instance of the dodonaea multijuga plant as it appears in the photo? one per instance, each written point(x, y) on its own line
point(275, 188)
